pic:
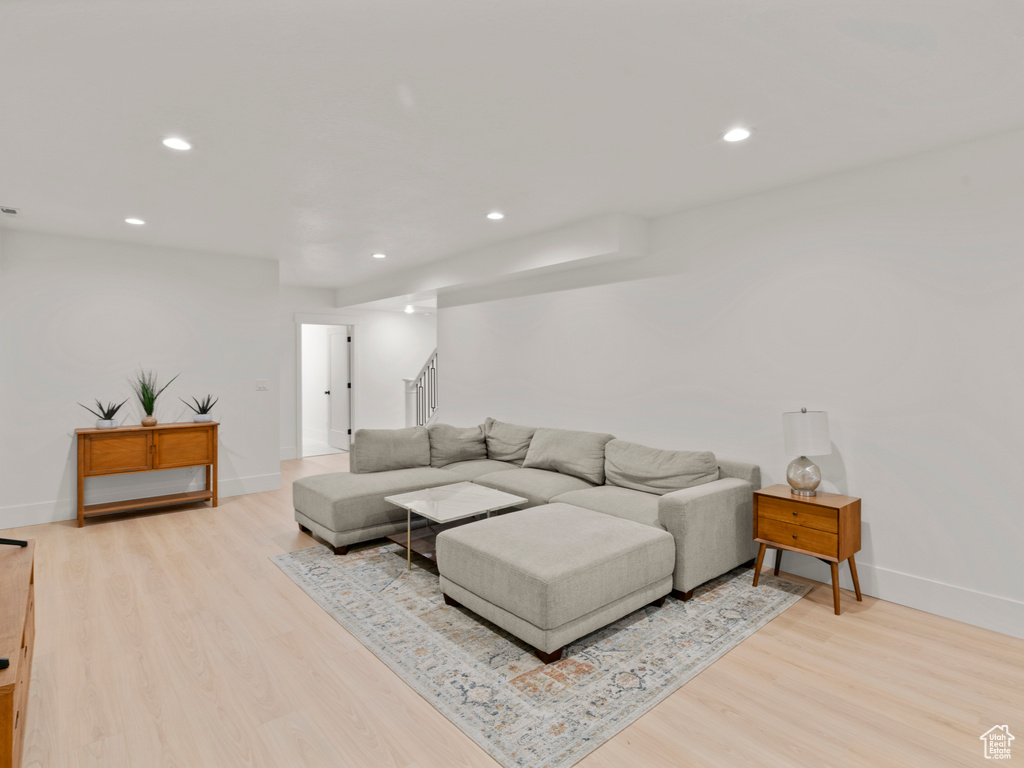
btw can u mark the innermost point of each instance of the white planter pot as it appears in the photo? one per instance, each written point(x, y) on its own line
point(202, 417)
point(105, 423)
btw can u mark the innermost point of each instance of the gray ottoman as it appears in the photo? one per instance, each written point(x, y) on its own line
point(344, 508)
point(551, 574)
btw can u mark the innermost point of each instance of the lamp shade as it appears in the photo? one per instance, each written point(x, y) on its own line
point(806, 433)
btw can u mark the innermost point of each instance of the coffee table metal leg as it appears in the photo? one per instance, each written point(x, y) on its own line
point(408, 539)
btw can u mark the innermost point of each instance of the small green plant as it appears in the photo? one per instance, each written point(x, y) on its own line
point(147, 389)
point(202, 406)
point(106, 412)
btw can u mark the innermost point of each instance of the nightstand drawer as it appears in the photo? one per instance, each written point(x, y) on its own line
point(798, 514)
point(807, 539)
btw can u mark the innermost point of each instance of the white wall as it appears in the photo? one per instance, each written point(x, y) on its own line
point(891, 297)
point(316, 379)
point(386, 347)
point(80, 316)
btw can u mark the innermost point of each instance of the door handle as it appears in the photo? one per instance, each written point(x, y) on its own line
point(327, 392)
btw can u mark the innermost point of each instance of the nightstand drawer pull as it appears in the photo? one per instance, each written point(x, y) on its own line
point(794, 535)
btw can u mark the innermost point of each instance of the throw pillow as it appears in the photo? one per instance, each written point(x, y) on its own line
point(630, 465)
point(378, 450)
point(580, 454)
point(449, 444)
point(507, 442)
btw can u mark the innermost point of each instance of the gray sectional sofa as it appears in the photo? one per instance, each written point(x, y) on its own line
point(705, 503)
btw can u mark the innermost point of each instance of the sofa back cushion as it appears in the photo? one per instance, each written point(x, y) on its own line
point(580, 454)
point(449, 444)
point(630, 465)
point(378, 450)
point(507, 442)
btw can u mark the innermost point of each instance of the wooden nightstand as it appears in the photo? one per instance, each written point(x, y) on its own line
point(826, 526)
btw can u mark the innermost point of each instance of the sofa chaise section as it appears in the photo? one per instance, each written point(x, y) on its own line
point(343, 508)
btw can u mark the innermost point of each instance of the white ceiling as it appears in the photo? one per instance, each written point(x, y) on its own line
point(325, 130)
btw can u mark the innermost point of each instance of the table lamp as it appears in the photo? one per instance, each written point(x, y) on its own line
point(806, 433)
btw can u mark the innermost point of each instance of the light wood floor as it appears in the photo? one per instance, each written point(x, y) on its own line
point(170, 639)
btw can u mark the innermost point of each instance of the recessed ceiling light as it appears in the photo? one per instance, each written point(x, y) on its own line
point(408, 309)
point(495, 215)
point(173, 142)
point(737, 134)
point(136, 222)
point(380, 255)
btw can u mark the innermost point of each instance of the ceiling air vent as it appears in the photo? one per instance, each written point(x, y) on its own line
point(8, 210)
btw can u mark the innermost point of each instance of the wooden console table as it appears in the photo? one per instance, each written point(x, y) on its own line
point(125, 450)
point(17, 636)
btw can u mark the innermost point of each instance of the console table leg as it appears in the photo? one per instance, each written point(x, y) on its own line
point(757, 566)
point(835, 585)
point(81, 481)
point(216, 454)
point(856, 581)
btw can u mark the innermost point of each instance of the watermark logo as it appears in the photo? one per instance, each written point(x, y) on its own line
point(997, 742)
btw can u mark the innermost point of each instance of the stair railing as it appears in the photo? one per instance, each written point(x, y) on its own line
point(421, 394)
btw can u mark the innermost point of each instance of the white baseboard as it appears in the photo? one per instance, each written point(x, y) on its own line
point(35, 514)
point(239, 486)
point(22, 515)
point(1000, 614)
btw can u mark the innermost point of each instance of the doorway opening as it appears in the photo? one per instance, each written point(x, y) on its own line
point(325, 389)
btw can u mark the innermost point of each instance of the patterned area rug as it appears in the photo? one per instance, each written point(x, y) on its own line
point(492, 686)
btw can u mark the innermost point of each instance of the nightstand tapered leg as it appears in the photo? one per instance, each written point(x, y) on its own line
point(835, 585)
point(778, 560)
point(757, 566)
point(856, 581)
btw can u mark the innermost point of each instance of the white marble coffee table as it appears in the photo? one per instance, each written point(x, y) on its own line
point(446, 504)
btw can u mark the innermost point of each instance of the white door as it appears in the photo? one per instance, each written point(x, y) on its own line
point(338, 411)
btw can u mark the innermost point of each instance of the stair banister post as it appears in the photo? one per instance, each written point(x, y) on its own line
point(410, 402)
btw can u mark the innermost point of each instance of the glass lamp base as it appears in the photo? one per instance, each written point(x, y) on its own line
point(803, 476)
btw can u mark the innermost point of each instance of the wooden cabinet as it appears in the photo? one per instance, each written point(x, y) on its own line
point(124, 450)
point(825, 526)
point(17, 636)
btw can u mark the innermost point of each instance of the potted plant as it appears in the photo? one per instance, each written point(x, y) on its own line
point(105, 413)
point(202, 407)
point(147, 389)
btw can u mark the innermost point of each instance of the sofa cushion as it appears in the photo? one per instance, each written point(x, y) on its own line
point(471, 470)
point(378, 450)
point(580, 454)
point(626, 503)
point(536, 485)
point(653, 470)
point(449, 444)
point(342, 501)
point(507, 442)
point(555, 563)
